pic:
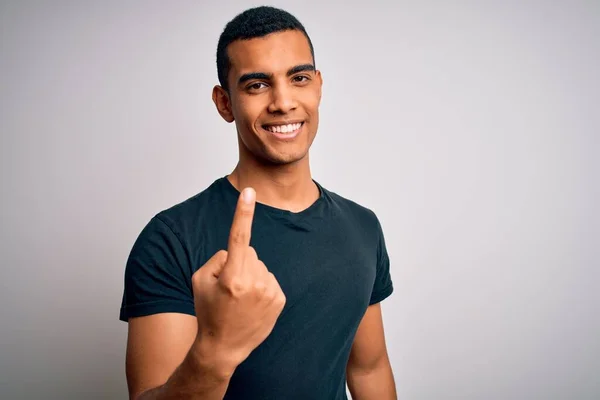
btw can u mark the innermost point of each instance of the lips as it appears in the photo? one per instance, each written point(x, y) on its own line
point(283, 128)
point(284, 131)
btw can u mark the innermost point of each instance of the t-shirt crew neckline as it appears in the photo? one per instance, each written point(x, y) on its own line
point(279, 211)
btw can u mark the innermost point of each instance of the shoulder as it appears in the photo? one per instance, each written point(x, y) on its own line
point(196, 211)
point(350, 209)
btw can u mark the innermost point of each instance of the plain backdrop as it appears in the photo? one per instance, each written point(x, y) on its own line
point(470, 128)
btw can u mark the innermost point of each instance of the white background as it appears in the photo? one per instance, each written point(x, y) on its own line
point(471, 129)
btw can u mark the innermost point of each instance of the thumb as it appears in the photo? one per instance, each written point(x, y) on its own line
point(215, 264)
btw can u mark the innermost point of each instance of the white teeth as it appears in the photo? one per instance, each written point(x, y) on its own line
point(284, 128)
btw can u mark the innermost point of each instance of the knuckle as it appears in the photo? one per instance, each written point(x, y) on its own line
point(239, 237)
point(281, 296)
point(268, 298)
point(235, 287)
point(260, 287)
point(281, 300)
point(245, 212)
point(196, 278)
point(251, 252)
point(263, 266)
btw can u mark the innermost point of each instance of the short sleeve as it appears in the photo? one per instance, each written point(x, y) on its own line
point(157, 274)
point(383, 287)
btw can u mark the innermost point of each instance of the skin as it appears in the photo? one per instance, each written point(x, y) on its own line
point(272, 80)
point(278, 170)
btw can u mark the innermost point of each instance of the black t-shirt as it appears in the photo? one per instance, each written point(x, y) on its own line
point(330, 261)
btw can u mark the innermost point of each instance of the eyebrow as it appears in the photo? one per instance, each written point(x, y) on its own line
point(264, 76)
point(300, 68)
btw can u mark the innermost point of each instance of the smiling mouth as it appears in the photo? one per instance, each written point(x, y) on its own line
point(284, 129)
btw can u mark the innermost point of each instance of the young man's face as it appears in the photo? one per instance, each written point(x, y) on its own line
point(274, 96)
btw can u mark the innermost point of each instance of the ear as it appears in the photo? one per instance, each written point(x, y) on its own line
point(319, 82)
point(222, 102)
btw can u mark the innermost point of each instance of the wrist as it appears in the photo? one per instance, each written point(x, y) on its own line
point(211, 360)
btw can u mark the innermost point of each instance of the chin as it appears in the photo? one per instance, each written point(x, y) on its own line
point(276, 158)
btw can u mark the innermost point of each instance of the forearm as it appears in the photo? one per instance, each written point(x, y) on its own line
point(377, 383)
point(199, 377)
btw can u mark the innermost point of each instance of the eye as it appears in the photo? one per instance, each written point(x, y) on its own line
point(300, 78)
point(256, 86)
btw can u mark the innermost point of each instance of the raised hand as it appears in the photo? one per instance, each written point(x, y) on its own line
point(237, 299)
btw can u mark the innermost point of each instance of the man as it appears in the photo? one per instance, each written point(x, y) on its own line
point(265, 285)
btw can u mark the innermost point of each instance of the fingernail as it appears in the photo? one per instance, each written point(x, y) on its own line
point(248, 195)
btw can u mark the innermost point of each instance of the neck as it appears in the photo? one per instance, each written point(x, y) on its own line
point(288, 187)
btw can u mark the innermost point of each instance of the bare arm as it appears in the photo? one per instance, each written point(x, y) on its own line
point(166, 361)
point(369, 372)
point(237, 302)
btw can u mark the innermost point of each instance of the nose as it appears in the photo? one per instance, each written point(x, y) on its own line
point(282, 100)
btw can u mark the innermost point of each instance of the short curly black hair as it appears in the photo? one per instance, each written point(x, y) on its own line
point(252, 23)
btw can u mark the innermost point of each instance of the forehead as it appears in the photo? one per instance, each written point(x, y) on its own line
point(273, 53)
